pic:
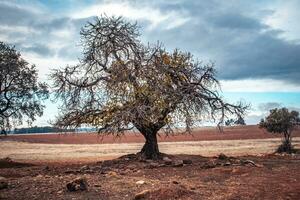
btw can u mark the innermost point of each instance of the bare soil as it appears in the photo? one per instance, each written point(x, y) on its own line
point(41, 166)
point(273, 177)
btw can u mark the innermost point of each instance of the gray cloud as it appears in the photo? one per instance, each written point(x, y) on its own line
point(230, 33)
point(242, 46)
point(36, 48)
point(14, 15)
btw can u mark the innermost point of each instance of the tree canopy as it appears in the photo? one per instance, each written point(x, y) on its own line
point(121, 84)
point(20, 92)
point(282, 121)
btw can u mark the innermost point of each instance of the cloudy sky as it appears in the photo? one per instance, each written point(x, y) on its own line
point(255, 44)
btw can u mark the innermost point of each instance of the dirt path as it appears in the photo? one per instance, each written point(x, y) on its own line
point(37, 152)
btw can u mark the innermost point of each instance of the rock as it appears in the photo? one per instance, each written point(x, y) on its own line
point(3, 183)
point(60, 192)
point(209, 164)
point(39, 176)
point(249, 162)
point(97, 185)
point(227, 163)
point(77, 184)
point(84, 167)
point(141, 182)
point(175, 182)
point(142, 195)
point(222, 157)
point(167, 161)
point(112, 174)
point(187, 161)
point(47, 168)
point(153, 165)
point(178, 163)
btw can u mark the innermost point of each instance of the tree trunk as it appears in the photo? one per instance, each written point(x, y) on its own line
point(150, 149)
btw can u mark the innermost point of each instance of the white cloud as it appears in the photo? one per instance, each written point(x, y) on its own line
point(44, 65)
point(286, 17)
point(258, 85)
point(173, 19)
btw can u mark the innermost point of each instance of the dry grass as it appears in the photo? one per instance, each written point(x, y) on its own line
point(37, 152)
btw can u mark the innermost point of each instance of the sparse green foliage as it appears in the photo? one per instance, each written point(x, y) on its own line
point(20, 92)
point(282, 121)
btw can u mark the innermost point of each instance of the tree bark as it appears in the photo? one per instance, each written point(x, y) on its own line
point(150, 149)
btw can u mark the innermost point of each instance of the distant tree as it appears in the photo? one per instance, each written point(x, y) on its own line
point(229, 122)
point(283, 122)
point(121, 84)
point(20, 92)
point(240, 121)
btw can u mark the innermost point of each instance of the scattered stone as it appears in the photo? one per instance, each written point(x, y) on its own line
point(222, 157)
point(193, 188)
point(39, 176)
point(141, 182)
point(175, 182)
point(178, 163)
point(162, 165)
point(209, 164)
point(97, 185)
point(60, 192)
point(3, 183)
point(248, 162)
point(142, 195)
point(252, 163)
point(187, 161)
point(153, 165)
point(77, 184)
point(84, 168)
point(112, 174)
point(167, 160)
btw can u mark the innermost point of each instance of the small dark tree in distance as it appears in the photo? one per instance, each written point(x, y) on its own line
point(229, 122)
point(121, 84)
point(239, 121)
point(283, 122)
point(20, 92)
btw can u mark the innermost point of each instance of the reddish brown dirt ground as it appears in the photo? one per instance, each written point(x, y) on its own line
point(271, 177)
point(274, 177)
point(229, 133)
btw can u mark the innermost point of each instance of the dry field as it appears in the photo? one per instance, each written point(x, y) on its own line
point(73, 153)
point(40, 167)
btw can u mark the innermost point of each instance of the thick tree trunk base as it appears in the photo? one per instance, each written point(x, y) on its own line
point(150, 149)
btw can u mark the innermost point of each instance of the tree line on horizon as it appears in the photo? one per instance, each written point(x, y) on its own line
point(121, 84)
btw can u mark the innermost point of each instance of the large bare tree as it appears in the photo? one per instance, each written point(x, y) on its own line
point(121, 84)
point(21, 94)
